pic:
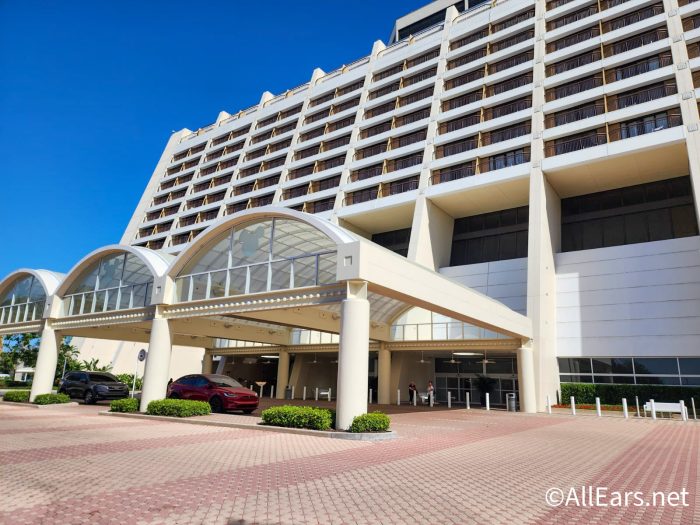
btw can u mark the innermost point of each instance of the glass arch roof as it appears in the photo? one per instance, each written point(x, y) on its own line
point(23, 301)
point(258, 256)
point(116, 281)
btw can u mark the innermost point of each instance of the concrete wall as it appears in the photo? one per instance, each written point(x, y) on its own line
point(634, 300)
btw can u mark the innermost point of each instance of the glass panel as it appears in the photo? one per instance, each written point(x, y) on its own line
point(258, 278)
point(576, 379)
point(664, 365)
point(501, 365)
point(620, 380)
point(182, 289)
point(141, 295)
point(213, 256)
point(86, 281)
point(218, 284)
point(612, 365)
point(690, 366)
point(21, 290)
point(691, 381)
point(125, 297)
point(199, 286)
point(327, 268)
point(88, 300)
point(21, 309)
point(294, 238)
point(110, 273)
point(100, 299)
point(39, 311)
point(135, 271)
point(112, 296)
point(251, 243)
point(656, 380)
point(575, 365)
point(281, 275)
point(305, 272)
point(75, 304)
point(238, 280)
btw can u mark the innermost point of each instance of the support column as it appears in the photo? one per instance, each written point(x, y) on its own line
point(353, 355)
point(208, 363)
point(384, 373)
point(221, 366)
point(46, 361)
point(282, 373)
point(526, 379)
point(155, 381)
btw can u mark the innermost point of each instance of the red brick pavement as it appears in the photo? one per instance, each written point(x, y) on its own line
point(446, 467)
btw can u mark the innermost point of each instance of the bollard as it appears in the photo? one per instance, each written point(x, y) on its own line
point(469, 406)
point(488, 401)
point(549, 405)
point(636, 401)
point(303, 394)
point(329, 394)
point(692, 402)
point(449, 399)
point(415, 397)
point(625, 412)
point(653, 409)
point(292, 391)
point(316, 396)
point(261, 390)
point(369, 401)
point(431, 399)
point(597, 407)
point(398, 397)
point(684, 411)
point(573, 405)
point(272, 391)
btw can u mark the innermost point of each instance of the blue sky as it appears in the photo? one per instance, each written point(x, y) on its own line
point(90, 91)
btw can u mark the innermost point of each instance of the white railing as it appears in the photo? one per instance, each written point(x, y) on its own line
point(109, 299)
point(22, 313)
point(281, 274)
point(452, 330)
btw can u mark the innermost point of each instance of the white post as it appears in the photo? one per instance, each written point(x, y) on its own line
point(597, 407)
point(316, 395)
point(636, 401)
point(136, 371)
point(653, 409)
point(303, 395)
point(46, 362)
point(415, 398)
point(353, 355)
point(625, 412)
point(692, 402)
point(272, 391)
point(369, 398)
point(549, 405)
point(398, 397)
point(469, 406)
point(449, 399)
point(431, 399)
point(292, 391)
point(261, 390)
point(488, 401)
point(684, 412)
point(155, 376)
point(329, 394)
point(573, 405)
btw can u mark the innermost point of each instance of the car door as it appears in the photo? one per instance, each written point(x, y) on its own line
point(200, 389)
point(185, 387)
point(69, 384)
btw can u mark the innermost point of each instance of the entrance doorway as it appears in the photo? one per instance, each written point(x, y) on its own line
point(460, 375)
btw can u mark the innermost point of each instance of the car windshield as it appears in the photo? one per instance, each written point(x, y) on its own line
point(223, 381)
point(103, 378)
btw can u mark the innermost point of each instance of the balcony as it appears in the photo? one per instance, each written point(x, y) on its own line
point(466, 59)
point(350, 88)
point(638, 68)
point(573, 88)
point(459, 171)
point(367, 173)
point(267, 182)
point(376, 130)
point(320, 206)
point(340, 124)
point(462, 100)
point(410, 118)
point(635, 42)
point(422, 59)
point(236, 207)
point(407, 140)
point(417, 96)
point(509, 85)
point(323, 98)
point(495, 28)
point(691, 23)
point(264, 200)
point(387, 73)
point(640, 96)
point(420, 77)
point(465, 79)
point(245, 188)
point(345, 106)
point(459, 123)
point(553, 4)
point(400, 186)
point(512, 41)
point(307, 152)
point(314, 133)
point(470, 38)
point(572, 17)
point(389, 88)
point(365, 195)
point(456, 147)
point(645, 125)
point(325, 184)
point(509, 133)
point(297, 191)
point(573, 63)
point(380, 110)
point(504, 160)
point(579, 142)
point(404, 162)
point(589, 110)
point(317, 116)
point(510, 62)
point(633, 18)
point(609, 4)
point(573, 40)
point(334, 162)
point(301, 172)
point(507, 109)
point(371, 151)
point(335, 143)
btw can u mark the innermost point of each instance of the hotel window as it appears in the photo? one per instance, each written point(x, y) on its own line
point(396, 240)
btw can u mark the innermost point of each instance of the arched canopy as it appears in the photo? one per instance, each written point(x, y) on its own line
point(111, 278)
point(258, 251)
point(23, 295)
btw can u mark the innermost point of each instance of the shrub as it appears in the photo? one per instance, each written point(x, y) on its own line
point(372, 422)
point(298, 417)
point(178, 408)
point(128, 379)
point(9, 383)
point(51, 399)
point(128, 404)
point(585, 393)
point(17, 396)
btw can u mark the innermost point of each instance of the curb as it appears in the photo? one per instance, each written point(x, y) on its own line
point(384, 436)
point(32, 405)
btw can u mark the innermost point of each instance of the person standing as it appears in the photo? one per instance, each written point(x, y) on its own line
point(412, 390)
point(431, 392)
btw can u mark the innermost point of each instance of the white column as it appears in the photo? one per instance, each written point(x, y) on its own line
point(353, 355)
point(526, 380)
point(384, 376)
point(208, 363)
point(282, 373)
point(155, 381)
point(222, 365)
point(46, 361)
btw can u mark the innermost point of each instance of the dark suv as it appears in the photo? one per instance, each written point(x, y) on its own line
point(92, 386)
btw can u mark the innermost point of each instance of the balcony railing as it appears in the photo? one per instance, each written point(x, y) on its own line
point(376, 130)
point(627, 99)
point(501, 135)
point(387, 73)
point(511, 62)
point(572, 17)
point(470, 38)
point(508, 85)
point(459, 123)
point(691, 23)
point(504, 160)
point(301, 172)
point(404, 162)
point(320, 206)
point(609, 4)
point(465, 79)
point(380, 110)
point(389, 88)
point(573, 88)
point(400, 186)
point(365, 195)
point(371, 151)
point(325, 184)
point(633, 18)
point(512, 41)
point(575, 39)
point(576, 143)
point(340, 124)
point(507, 109)
point(410, 118)
point(293, 193)
point(574, 115)
point(495, 28)
point(644, 126)
point(422, 59)
point(638, 68)
point(407, 140)
point(635, 42)
point(415, 97)
point(109, 299)
point(557, 3)
point(462, 100)
point(420, 77)
point(22, 313)
point(459, 171)
point(573, 63)
point(454, 148)
point(466, 59)
point(367, 173)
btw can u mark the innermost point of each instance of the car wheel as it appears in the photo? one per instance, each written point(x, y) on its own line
point(216, 404)
point(90, 398)
point(248, 411)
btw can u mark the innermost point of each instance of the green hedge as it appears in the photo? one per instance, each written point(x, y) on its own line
point(51, 399)
point(9, 383)
point(298, 417)
point(17, 396)
point(372, 422)
point(128, 404)
point(612, 394)
point(128, 379)
point(178, 408)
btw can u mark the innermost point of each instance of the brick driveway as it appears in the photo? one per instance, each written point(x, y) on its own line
point(70, 465)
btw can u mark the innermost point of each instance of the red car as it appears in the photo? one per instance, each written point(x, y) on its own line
point(222, 392)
